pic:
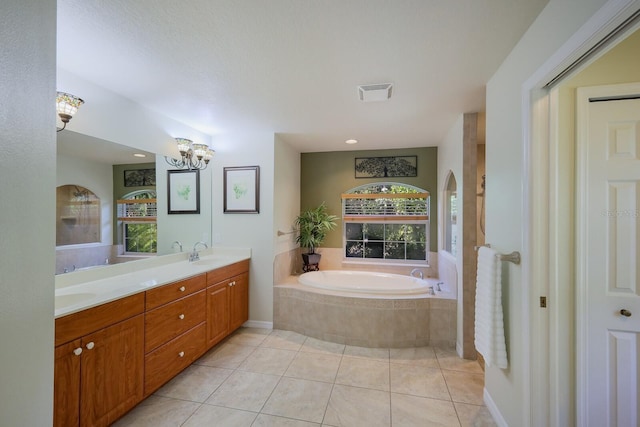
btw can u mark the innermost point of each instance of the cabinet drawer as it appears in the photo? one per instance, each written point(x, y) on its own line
point(167, 293)
point(164, 323)
point(165, 362)
point(90, 320)
point(223, 273)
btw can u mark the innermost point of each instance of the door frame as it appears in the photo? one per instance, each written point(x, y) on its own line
point(550, 387)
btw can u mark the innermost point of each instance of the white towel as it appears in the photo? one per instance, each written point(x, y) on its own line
point(489, 326)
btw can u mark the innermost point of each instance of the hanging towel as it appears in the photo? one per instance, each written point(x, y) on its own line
point(489, 326)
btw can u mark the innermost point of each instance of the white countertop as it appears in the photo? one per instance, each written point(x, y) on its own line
point(80, 290)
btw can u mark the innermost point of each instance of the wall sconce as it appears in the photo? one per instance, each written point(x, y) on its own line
point(194, 156)
point(66, 106)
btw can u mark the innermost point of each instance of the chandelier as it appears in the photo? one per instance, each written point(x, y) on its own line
point(194, 156)
point(66, 106)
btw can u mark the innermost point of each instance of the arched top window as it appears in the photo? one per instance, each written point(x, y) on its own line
point(386, 222)
point(137, 212)
point(78, 217)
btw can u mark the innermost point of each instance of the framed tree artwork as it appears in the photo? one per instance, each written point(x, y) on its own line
point(386, 167)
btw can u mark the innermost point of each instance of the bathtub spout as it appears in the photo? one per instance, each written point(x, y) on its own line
point(415, 270)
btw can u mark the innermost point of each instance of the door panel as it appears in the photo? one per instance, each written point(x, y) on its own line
point(608, 258)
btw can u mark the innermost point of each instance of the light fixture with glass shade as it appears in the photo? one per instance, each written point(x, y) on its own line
point(194, 156)
point(66, 106)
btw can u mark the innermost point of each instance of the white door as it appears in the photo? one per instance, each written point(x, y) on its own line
point(608, 256)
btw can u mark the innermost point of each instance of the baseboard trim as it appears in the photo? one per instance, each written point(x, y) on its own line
point(493, 409)
point(459, 350)
point(258, 324)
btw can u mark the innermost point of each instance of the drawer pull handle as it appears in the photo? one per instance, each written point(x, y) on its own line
point(181, 354)
point(182, 289)
point(181, 317)
point(77, 351)
point(90, 345)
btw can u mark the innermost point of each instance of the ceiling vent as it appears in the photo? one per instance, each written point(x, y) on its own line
point(376, 92)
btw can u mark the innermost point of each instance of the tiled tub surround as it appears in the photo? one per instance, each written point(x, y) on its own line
point(365, 321)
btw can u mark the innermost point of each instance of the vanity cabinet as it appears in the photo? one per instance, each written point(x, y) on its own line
point(227, 300)
point(99, 363)
point(175, 329)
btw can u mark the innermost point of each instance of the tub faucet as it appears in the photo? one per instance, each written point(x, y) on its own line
point(431, 290)
point(415, 270)
point(177, 243)
point(195, 256)
point(439, 286)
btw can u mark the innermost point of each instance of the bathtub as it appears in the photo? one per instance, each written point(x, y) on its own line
point(366, 309)
point(365, 282)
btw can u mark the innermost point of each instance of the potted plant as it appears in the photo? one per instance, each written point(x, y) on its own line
point(313, 225)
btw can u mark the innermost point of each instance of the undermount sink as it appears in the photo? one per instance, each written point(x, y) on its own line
point(71, 299)
point(208, 261)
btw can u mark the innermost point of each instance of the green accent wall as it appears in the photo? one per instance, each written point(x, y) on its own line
point(325, 176)
point(120, 190)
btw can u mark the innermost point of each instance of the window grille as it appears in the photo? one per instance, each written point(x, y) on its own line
point(138, 209)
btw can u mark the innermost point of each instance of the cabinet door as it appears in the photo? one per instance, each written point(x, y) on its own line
point(66, 385)
point(217, 312)
point(112, 372)
point(239, 300)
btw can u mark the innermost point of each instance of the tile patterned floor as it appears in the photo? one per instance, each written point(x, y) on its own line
point(264, 378)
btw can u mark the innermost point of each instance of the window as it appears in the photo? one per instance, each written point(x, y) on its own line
point(451, 215)
point(137, 213)
point(386, 222)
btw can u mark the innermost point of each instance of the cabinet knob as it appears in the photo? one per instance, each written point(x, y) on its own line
point(181, 317)
point(181, 354)
point(77, 351)
point(90, 345)
point(182, 289)
point(625, 312)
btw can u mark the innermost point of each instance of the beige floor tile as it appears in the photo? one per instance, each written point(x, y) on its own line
point(418, 381)
point(226, 355)
point(448, 359)
point(220, 417)
point(286, 340)
point(465, 387)
point(474, 415)
point(299, 399)
point(196, 383)
point(314, 366)
point(380, 354)
point(244, 390)
point(265, 420)
point(268, 361)
point(249, 336)
point(156, 411)
point(409, 411)
point(355, 407)
point(419, 356)
point(313, 345)
point(365, 373)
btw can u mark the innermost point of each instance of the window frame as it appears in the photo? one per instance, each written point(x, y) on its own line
point(414, 214)
point(125, 218)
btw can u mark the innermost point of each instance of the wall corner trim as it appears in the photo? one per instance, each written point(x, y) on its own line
point(493, 409)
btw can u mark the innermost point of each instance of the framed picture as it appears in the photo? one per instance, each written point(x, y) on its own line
point(183, 189)
point(242, 189)
point(386, 167)
point(139, 177)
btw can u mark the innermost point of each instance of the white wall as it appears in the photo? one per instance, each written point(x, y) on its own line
point(96, 177)
point(27, 225)
point(286, 197)
point(509, 389)
point(248, 230)
point(450, 160)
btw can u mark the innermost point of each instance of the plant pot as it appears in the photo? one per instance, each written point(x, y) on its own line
point(311, 262)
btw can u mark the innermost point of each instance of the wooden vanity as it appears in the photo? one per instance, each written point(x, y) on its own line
point(110, 357)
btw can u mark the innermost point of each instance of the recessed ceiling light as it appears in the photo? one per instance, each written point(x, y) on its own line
point(351, 141)
point(139, 155)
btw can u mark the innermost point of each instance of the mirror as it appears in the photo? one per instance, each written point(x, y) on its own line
point(109, 171)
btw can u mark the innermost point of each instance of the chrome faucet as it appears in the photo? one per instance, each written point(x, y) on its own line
point(178, 243)
point(195, 256)
point(439, 286)
point(415, 270)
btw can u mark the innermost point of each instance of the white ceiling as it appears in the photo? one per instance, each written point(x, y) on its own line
point(292, 66)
